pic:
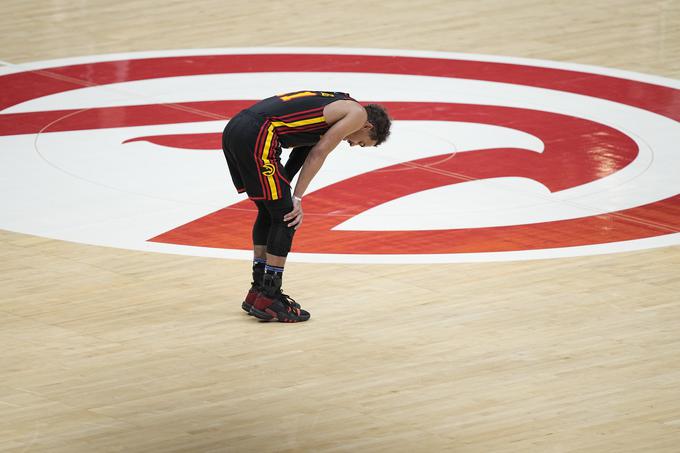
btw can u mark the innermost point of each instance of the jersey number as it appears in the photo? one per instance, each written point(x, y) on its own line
point(302, 94)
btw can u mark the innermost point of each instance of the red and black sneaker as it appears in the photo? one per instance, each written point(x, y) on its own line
point(280, 306)
point(253, 292)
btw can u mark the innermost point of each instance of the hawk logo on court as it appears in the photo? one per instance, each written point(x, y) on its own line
point(490, 158)
point(267, 169)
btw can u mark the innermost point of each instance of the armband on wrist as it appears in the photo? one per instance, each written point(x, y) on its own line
point(299, 199)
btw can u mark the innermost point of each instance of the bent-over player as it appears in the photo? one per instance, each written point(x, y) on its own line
point(313, 123)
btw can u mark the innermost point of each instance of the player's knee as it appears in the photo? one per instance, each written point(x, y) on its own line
point(281, 235)
point(280, 238)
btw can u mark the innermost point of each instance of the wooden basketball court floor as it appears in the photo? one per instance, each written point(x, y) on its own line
point(107, 349)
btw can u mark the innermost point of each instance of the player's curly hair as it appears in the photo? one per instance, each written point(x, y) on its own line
point(378, 117)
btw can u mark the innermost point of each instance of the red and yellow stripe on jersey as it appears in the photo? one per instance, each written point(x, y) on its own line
point(267, 143)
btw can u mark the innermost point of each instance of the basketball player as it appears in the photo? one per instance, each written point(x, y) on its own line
point(313, 123)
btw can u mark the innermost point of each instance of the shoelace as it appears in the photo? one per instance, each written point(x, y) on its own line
point(286, 299)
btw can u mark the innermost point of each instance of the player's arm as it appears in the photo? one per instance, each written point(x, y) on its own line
point(351, 121)
point(352, 117)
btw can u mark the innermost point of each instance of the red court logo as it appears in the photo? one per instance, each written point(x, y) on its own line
point(490, 158)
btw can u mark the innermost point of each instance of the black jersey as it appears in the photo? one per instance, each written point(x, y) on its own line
point(296, 119)
point(252, 140)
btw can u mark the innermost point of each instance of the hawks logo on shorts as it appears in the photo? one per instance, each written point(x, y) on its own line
point(267, 169)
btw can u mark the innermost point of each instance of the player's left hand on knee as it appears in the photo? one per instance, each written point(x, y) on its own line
point(294, 217)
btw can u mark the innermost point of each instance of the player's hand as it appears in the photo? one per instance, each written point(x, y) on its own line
point(295, 216)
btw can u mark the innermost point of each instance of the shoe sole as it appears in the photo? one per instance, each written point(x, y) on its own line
point(263, 315)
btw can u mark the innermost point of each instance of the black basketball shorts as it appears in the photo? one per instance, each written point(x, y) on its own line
point(252, 151)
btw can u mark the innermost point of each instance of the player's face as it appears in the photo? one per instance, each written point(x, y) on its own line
point(362, 137)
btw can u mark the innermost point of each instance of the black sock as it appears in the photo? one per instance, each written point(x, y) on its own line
point(259, 264)
point(258, 270)
point(271, 281)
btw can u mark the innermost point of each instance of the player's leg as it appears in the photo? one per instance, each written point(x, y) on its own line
point(238, 141)
point(231, 140)
point(260, 235)
point(261, 231)
point(266, 182)
point(271, 303)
